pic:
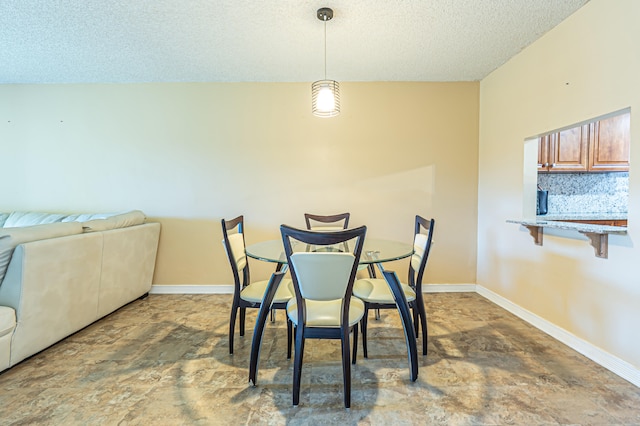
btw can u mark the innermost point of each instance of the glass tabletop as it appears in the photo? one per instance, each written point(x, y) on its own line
point(374, 251)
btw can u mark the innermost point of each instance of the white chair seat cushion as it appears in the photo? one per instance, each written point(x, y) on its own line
point(254, 292)
point(376, 290)
point(326, 313)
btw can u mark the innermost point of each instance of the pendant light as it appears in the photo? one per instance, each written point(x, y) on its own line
point(325, 94)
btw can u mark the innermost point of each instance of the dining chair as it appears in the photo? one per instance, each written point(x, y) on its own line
point(323, 307)
point(334, 222)
point(247, 294)
point(376, 294)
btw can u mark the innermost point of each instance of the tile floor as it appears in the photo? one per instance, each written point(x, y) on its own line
point(164, 361)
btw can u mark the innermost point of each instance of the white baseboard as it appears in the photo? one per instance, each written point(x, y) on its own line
point(448, 288)
point(597, 355)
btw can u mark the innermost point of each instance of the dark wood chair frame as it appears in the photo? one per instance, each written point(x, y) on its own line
point(303, 332)
point(327, 219)
point(415, 282)
point(240, 282)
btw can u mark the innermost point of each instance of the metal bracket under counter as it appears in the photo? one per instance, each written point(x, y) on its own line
point(598, 235)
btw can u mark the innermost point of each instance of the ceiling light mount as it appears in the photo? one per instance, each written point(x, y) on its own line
point(325, 94)
point(325, 14)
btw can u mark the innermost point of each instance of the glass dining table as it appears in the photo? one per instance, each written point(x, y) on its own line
point(375, 252)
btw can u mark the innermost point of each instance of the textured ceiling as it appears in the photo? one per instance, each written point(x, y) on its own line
point(75, 41)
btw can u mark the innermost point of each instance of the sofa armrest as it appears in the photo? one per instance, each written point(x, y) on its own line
point(128, 263)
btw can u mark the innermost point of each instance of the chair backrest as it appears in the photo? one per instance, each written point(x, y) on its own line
point(322, 275)
point(234, 246)
point(334, 222)
point(318, 274)
point(423, 238)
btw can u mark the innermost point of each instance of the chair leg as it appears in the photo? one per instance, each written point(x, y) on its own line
point(422, 313)
point(420, 317)
point(243, 313)
point(256, 342)
point(363, 327)
point(232, 326)
point(355, 344)
point(289, 337)
point(297, 364)
point(346, 367)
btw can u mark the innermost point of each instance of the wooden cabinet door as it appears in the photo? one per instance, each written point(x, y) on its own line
point(543, 154)
point(610, 144)
point(570, 150)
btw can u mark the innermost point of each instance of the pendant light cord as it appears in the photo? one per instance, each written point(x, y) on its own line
point(325, 47)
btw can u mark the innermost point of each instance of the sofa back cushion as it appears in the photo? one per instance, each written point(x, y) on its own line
point(121, 220)
point(20, 219)
point(11, 237)
point(84, 217)
point(3, 218)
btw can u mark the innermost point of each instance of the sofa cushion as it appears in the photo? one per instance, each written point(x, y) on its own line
point(7, 320)
point(19, 219)
point(121, 220)
point(3, 218)
point(85, 217)
point(11, 237)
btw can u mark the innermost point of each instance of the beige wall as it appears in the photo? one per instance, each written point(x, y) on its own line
point(190, 154)
point(587, 66)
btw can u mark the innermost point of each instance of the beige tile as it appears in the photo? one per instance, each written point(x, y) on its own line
point(165, 360)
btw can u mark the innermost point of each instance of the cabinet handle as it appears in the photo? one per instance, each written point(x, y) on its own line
point(553, 165)
point(546, 164)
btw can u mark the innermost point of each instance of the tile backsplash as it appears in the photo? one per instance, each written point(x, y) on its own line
point(586, 192)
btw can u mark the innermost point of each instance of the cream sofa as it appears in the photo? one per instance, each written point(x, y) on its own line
point(60, 273)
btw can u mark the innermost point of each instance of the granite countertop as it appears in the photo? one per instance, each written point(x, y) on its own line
point(580, 227)
point(583, 216)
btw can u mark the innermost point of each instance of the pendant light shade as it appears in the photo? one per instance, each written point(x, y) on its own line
point(325, 98)
point(325, 94)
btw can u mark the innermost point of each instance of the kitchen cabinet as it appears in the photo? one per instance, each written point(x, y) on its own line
point(600, 146)
point(565, 151)
point(543, 153)
point(609, 146)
